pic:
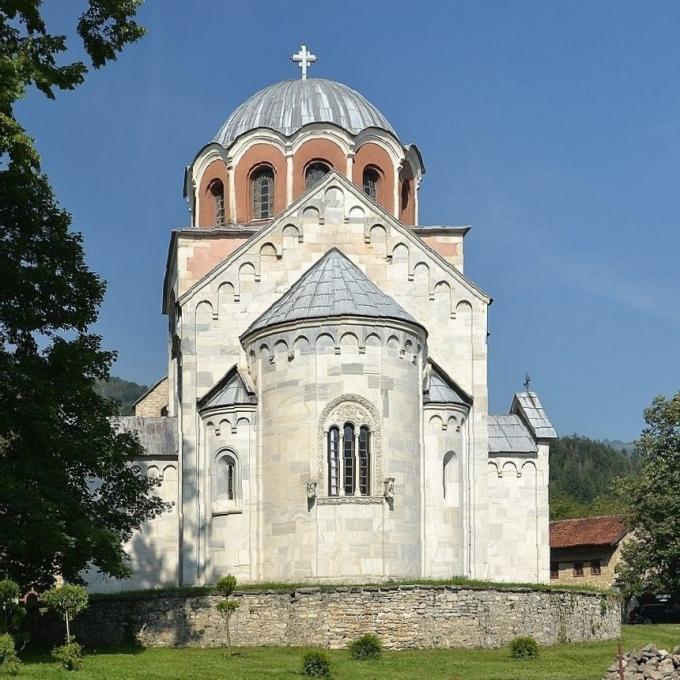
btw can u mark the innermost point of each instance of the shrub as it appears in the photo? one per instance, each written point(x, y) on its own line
point(524, 648)
point(316, 665)
point(12, 611)
point(9, 663)
point(68, 601)
point(70, 656)
point(366, 647)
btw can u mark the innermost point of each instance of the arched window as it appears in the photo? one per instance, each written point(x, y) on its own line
point(449, 475)
point(217, 193)
point(315, 173)
point(262, 190)
point(333, 461)
point(348, 459)
point(370, 182)
point(405, 194)
point(364, 461)
point(225, 485)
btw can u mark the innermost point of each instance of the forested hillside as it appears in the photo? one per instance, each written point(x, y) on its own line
point(125, 392)
point(582, 473)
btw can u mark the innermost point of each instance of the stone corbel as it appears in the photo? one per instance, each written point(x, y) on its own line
point(389, 487)
point(311, 490)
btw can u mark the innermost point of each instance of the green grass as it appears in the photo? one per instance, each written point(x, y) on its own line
point(561, 662)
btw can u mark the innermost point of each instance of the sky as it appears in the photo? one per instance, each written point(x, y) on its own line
point(552, 128)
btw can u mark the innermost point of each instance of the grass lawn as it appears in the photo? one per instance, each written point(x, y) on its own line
point(562, 662)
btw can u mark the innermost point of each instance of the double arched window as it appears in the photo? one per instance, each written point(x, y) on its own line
point(217, 193)
point(262, 191)
point(349, 474)
point(371, 179)
point(315, 173)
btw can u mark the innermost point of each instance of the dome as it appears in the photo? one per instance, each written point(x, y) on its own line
point(289, 105)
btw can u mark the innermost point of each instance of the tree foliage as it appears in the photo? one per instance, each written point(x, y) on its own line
point(67, 600)
point(651, 558)
point(225, 587)
point(68, 496)
point(584, 476)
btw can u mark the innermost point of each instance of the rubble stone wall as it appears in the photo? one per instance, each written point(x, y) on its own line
point(402, 616)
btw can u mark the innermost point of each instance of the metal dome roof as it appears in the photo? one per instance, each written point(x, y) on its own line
point(291, 104)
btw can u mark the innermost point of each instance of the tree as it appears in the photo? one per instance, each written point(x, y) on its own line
point(68, 494)
point(225, 587)
point(651, 557)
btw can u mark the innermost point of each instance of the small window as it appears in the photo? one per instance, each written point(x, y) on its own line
point(578, 569)
point(333, 461)
point(449, 474)
point(217, 192)
point(405, 194)
point(262, 187)
point(596, 568)
point(225, 479)
point(364, 461)
point(554, 570)
point(315, 173)
point(370, 183)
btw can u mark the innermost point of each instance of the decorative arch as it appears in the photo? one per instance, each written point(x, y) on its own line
point(317, 150)
point(372, 157)
point(259, 156)
point(215, 172)
point(226, 486)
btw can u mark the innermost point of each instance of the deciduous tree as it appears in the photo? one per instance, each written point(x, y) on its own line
point(651, 557)
point(68, 495)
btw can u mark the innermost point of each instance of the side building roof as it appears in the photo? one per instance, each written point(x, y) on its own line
point(570, 533)
point(233, 388)
point(528, 406)
point(508, 435)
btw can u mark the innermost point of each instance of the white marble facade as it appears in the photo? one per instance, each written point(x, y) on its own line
point(335, 314)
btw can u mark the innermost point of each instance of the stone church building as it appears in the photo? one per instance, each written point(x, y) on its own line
point(325, 412)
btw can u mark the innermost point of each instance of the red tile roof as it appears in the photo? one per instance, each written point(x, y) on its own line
point(567, 533)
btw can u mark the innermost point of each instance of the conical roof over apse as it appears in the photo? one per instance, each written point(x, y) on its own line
point(333, 287)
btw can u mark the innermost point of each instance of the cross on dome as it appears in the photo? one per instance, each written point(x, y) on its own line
point(303, 58)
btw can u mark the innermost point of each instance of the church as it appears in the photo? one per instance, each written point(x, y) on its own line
point(325, 412)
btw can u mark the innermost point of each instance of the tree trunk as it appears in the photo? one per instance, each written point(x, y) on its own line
point(68, 630)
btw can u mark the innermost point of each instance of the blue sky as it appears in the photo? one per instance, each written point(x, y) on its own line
point(552, 128)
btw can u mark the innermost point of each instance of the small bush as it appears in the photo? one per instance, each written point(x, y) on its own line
point(9, 663)
point(316, 665)
point(70, 656)
point(366, 647)
point(524, 648)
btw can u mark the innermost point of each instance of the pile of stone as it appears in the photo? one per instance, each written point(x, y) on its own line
point(649, 663)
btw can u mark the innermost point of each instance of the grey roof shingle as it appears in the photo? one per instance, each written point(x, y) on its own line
point(158, 435)
point(508, 434)
point(289, 105)
point(528, 406)
point(440, 389)
point(234, 388)
point(333, 287)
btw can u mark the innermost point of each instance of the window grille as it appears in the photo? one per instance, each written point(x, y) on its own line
point(596, 568)
point(315, 173)
point(370, 182)
point(333, 461)
point(578, 568)
point(554, 570)
point(405, 194)
point(364, 461)
point(348, 459)
point(263, 193)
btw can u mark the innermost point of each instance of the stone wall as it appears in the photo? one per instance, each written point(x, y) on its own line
point(403, 616)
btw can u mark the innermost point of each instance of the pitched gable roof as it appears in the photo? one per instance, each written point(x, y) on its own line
point(441, 389)
point(528, 406)
point(509, 435)
point(234, 388)
point(568, 533)
point(332, 287)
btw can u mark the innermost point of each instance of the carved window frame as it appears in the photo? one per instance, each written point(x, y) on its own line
point(357, 411)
